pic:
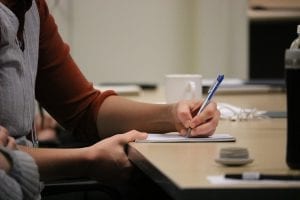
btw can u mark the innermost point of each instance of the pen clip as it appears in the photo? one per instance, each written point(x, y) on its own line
point(216, 84)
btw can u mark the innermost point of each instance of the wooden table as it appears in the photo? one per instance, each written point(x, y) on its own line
point(182, 169)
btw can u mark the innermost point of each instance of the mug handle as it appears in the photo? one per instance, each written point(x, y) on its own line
point(192, 89)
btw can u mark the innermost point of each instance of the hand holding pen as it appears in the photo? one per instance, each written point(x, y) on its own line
point(212, 90)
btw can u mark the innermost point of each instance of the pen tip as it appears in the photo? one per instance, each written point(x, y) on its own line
point(188, 134)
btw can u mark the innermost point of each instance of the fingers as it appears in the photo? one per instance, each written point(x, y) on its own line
point(110, 157)
point(6, 140)
point(47, 134)
point(48, 122)
point(11, 144)
point(206, 129)
point(206, 122)
point(204, 116)
point(3, 136)
point(185, 110)
point(131, 136)
point(124, 163)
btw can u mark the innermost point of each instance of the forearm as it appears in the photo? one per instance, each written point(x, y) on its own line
point(118, 115)
point(55, 164)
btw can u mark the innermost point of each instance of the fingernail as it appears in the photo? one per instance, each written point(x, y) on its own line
point(192, 125)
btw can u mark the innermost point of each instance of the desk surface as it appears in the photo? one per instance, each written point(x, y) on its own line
point(181, 169)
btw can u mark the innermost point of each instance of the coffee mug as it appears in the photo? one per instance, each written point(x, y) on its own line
point(183, 87)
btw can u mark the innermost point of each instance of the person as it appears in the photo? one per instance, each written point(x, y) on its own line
point(19, 175)
point(35, 63)
point(46, 127)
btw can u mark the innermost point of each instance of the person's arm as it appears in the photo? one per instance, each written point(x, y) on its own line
point(105, 161)
point(66, 94)
point(61, 88)
point(59, 163)
point(118, 114)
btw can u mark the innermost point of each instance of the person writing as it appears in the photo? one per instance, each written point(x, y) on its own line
point(35, 63)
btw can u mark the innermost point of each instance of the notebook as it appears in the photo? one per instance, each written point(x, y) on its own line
point(175, 137)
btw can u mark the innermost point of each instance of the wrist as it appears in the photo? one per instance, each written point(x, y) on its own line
point(173, 115)
point(90, 156)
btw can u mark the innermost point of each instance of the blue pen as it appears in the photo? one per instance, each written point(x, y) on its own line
point(212, 90)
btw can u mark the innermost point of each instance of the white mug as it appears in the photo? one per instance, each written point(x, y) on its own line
point(183, 87)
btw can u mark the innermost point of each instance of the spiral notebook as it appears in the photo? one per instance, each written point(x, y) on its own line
point(175, 137)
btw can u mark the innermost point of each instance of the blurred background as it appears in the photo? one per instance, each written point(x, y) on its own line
point(142, 40)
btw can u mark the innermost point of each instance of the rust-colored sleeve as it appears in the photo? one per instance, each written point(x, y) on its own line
point(61, 88)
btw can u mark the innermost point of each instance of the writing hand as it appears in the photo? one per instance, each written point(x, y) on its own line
point(203, 124)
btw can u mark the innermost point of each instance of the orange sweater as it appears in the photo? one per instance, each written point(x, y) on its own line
point(61, 88)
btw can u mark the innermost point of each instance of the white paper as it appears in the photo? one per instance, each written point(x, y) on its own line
point(175, 137)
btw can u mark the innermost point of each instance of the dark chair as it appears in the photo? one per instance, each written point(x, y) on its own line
point(75, 189)
point(79, 190)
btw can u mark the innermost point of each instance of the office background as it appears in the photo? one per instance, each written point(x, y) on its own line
point(141, 40)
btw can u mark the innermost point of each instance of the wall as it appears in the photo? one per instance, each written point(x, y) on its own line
point(222, 35)
point(141, 40)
